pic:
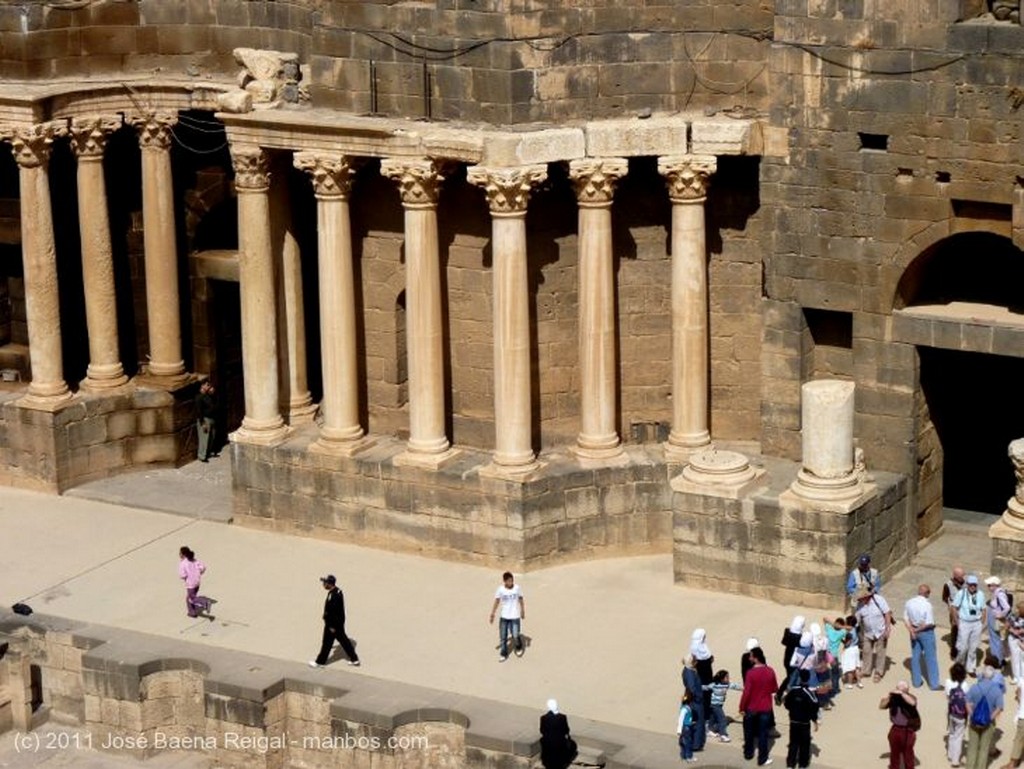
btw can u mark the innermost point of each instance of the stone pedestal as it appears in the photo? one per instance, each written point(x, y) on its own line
point(1007, 533)
point(718, 472)
point(508, 191)
point(687, 179)
point(828, 475)
point(595, 180)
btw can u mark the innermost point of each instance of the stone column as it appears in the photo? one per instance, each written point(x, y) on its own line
point(508, 192)
point(296, 403)
point(826, 433)
point(166, 368)
point(88, 139)
point(687, 179)
point(341, 432)
point(1013, 516)
point(595, 181)
point(262, 423)
point(47, 390)
point(419, 183)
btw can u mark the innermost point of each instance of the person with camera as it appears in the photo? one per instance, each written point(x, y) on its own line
point(905, 721)
point(874, 617)
point(970, 606)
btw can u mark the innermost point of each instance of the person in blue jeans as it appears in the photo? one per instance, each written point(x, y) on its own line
point(695, 689)
point(509, 597)
point(718, 724)
point(685, 728)
point(919, 618)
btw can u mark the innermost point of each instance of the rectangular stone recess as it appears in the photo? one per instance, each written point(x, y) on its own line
point(828, 344)
point(874, 142)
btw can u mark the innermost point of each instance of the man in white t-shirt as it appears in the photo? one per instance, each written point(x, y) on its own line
point(510, 598)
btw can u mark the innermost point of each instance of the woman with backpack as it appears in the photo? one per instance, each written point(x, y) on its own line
point(956, 708)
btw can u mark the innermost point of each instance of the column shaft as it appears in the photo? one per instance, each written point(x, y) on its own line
point(105, 369)
point(341, 431)
point(47, 390)
point(508, 191)
point(161, 253)
point(595, 183)
point(419, 183)
point(687, 180)
point(296, 402)
point(262, 422)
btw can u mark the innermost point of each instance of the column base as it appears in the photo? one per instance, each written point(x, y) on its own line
point(725, 473)
point(1013, 516)
point(170, 383)
point(45, 402)
point(102, 385)
point(435, 461)
point(602, 447)
point(257, 434)
point(300, 411)
point(840, 495)
point(515, 473)
point(681, 446)
point(341, 448)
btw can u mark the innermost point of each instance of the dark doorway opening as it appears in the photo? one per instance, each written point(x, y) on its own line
point(226, 311)
point(974, 402)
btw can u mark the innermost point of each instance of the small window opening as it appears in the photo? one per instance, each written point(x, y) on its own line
point(874, 142)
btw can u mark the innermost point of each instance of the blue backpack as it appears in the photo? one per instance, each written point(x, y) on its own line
point(958, 703)
point(981, 717)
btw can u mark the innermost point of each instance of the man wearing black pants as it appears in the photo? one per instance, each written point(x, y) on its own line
point(802, 705)
point(334, 625)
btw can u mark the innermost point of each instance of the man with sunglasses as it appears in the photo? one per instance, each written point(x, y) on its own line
point(970, 606)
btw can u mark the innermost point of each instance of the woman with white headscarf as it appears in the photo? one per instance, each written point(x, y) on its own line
point(704, 661)
point(790, 642)
point(557, 749)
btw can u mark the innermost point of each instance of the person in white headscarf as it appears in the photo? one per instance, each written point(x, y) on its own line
point(790, 642)
point(746, 663)
point(557, 749)
point(704, 661)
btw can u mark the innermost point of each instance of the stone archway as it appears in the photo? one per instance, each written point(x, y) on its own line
point(961, 303)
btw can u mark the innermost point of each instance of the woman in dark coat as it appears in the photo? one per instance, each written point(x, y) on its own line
point(557, 748)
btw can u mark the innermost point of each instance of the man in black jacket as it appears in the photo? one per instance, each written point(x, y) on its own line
point(334, 625)
point(802, 705)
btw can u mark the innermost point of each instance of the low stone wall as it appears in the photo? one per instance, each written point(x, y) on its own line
point(94, 436)
point(566, 511)
point(758, 546)
point(143, 696)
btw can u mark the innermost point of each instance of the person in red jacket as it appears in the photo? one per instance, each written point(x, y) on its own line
point(756, 706)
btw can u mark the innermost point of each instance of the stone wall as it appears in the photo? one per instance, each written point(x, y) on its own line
point(760, 546)
point(93, 437)
point(141, 696)
point(564, 512)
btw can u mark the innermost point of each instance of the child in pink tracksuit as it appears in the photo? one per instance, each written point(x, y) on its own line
point(191, 569)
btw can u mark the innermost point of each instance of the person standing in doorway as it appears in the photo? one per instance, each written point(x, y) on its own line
point(206, 421)
point(191, 570)
point(334, 625)
point(509, 598)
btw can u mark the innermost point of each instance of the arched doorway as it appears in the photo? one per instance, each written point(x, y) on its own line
point(961, 302)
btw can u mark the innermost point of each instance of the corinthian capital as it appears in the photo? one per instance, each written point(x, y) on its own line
point(332, 175)
point(154, 129)
point(31, 144)
point(252, 168)
point(419, 181)
point(508, 189)
point(595, 178)
point(89, 135)
point(688, 177)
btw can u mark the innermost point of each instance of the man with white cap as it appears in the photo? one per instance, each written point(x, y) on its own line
point(557, 748)
point(970, 606)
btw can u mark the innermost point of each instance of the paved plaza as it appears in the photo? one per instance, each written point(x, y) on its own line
point(606, 636)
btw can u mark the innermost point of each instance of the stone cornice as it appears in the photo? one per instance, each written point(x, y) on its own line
point(594, 179)
point(687, 177)
point(332, 175)
point(419, 180)
point(252, 169)
point(507, 189)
